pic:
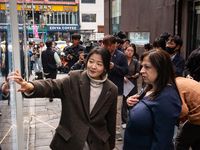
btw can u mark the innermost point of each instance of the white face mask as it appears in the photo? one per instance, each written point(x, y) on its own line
point(35, 46)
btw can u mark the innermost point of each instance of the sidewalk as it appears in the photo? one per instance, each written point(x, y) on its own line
point(45, 118)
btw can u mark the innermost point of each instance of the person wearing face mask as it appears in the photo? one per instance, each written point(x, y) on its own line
point(173, 46)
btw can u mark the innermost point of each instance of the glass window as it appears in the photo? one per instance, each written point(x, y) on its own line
point(64, 0)
point(88, 17)
point(67, 18)
point(116, 16)
point(63, 17)
point(59, 18)
point(2, 16)
point(55, 18)
point(87, 1)
point(139, 38)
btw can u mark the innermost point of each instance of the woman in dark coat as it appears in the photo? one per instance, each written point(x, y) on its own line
point(89, 101)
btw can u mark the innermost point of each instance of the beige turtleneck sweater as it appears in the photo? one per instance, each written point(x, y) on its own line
point(95, 91)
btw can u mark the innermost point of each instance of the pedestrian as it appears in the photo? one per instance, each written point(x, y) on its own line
point(37, 52)
point(152, 118)
point(173, 48)
point(126, 43)
point(189, 134)
point(50, 60)
point(192, 65)
point(56, 48)
point(42, 47)
point(119, 68)
point(132, 76)
point(89, 101)
point(159, 43)
point(135, 54)
point(72, 52)
point(147, 47)
point(119, 44)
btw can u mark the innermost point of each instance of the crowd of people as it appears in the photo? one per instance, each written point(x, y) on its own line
point(95, 107)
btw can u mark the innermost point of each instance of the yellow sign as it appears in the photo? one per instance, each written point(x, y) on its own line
point(39, 7)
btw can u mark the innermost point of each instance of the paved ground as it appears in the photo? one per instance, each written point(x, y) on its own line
point(45, 118)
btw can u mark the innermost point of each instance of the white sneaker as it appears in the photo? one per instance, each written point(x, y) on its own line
point(124, 126)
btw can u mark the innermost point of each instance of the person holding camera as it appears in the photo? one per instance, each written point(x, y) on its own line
point(72, 52)
point(80, 64)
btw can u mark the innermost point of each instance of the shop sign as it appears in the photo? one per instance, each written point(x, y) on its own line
point(38, 26)
point(115, 27)
point(62, 27)
point(39, 7)
point(5, 27)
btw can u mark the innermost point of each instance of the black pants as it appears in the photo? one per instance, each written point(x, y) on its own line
point(189, 136)
point(51, 75)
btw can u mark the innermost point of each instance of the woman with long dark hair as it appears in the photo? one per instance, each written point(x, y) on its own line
point(153, 117)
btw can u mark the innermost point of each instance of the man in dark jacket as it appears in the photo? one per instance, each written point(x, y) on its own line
point(72, 52)
point(173, 48)
point(192, 65)
point(50, 60)
point(119, 68)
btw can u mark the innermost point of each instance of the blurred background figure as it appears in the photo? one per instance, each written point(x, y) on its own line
point(132, 76)
point(126, 43)
point(159, 43)
point(135, 55)
point(173, 48)
point(147, 47)
point(119, 44)
point(165, 36)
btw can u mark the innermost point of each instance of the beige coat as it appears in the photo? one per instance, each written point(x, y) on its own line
point(77, 124)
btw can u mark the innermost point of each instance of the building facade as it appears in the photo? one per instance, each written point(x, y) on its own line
point(53, 19)
point(91, 19)
point(144, 21)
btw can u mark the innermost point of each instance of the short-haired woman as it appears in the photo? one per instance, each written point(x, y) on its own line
point(89, 102)
point(153, 117)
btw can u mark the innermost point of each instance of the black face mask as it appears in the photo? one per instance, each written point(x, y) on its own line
point(170, 50)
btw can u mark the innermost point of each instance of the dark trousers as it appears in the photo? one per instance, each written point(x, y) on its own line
point(124, 110)
point(51, 75)
point(189, 136)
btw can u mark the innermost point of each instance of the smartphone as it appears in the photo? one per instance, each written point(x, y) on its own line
point(142, 92)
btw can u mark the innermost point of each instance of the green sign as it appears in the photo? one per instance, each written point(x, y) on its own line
point(39, 28)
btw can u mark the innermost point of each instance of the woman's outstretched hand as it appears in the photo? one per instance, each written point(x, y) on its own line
point(132, 100)
point(25, 87)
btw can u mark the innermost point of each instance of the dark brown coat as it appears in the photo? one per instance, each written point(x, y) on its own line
point(76, 124)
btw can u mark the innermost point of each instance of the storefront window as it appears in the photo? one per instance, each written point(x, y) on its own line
point(140, 38)
point(88, 17)
point(63, 17)
point(59, 18)
point(3, 16)
point(87, 1)
point(55, 18)
point(116, 16)
point(67, 17)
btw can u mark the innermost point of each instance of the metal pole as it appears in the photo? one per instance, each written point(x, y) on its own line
point(33, 18)
point(17, 66)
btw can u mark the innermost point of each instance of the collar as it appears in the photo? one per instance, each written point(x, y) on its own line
point(172, 58)
point(104, 77)
point(113, 52)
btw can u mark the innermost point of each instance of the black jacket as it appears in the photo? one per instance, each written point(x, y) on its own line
point(119, 70)
point(192, 65)
point(48, 61)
